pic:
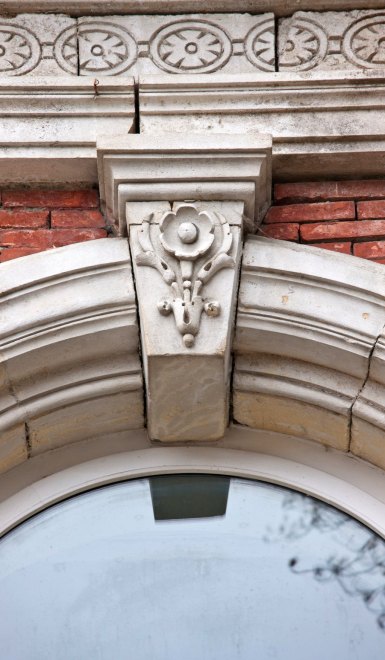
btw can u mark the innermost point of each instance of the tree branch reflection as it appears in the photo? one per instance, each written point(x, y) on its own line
point(358, 567)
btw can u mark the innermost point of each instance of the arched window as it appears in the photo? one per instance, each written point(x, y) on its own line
point(192, 566)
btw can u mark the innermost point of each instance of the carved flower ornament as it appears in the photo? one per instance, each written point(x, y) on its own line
point(188, 235)
point(185, 233)
point(19, 50)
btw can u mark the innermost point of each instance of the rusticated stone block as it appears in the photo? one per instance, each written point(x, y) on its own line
point(332, 41)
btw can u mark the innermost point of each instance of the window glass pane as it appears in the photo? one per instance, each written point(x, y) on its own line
point(263, 573)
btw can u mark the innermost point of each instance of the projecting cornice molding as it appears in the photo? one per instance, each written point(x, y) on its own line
point(49, 126)
point(322, 124)
point(83, 7)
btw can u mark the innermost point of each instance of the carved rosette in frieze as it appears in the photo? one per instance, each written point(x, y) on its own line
point(190, 46)
point(186, 44)
point(260, 45)
point(339, 41)
point(364, 42)
point(188, 236)
point(66, 50)
point(305, 47)
point(20, 51)
point(105, 48)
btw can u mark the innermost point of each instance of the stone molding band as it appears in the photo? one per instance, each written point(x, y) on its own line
point(82, 7)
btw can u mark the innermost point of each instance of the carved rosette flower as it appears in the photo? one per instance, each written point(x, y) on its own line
point(260, 45)
point(105, 49)
point(19, 50)
point(190, 47)
point(186, 234)
point(364, 42)
point(305, 46)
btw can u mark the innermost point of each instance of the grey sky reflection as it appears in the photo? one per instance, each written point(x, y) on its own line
point(358, 562)
point(96, 577)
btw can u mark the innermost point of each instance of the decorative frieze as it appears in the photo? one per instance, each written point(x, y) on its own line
point(45, 44)
point(39, 45)
point(329, 41)
point(194, 43)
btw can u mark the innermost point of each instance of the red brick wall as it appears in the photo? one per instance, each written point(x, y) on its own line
point(36, 220)
point(344, 216)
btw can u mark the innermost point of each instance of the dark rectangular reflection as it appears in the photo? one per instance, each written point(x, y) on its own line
point(177, 496)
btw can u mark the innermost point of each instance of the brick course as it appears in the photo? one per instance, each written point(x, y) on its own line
point(342, 216)
point(36, 220)
point(311, 212)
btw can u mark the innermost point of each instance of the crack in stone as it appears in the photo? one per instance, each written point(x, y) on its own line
point(366, 378)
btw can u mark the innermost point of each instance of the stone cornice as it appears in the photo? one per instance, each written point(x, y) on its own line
point(321, 123)
point(49, 126)
point(99, 7)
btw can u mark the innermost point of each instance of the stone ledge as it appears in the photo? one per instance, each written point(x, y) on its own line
point(82, 7)
point(49, 126)
point(323, 124)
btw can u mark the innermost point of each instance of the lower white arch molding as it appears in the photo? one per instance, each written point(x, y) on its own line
point(339, 479)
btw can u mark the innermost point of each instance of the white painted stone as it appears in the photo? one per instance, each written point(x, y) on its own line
point(191, 43)
point(368, 429)
point(332, 40)
point(39, 45)
point(139, 167)
point(186, 347)
point(85, 7)
point(69, 344)
point(309, 304)
point(49, 126)
point(307, 323)
point(323, 124)
point(13, 447)
point(290, 396)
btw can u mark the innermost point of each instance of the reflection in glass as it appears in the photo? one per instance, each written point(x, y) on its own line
point(177, 496)
point(273, 574)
